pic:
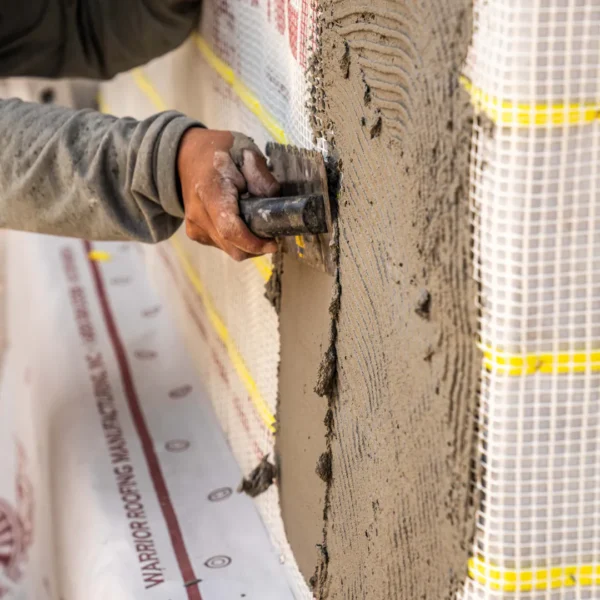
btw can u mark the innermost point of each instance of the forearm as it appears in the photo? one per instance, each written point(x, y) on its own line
point(84, 174)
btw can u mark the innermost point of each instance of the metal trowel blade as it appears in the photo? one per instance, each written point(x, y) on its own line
point(302, 172)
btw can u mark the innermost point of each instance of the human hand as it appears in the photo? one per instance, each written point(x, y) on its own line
point(215, 167)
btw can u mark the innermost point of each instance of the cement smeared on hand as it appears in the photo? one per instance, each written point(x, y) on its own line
point(241, 143)
point(260, 479)
point(273, 285)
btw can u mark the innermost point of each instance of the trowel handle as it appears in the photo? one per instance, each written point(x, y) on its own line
point(278, 217)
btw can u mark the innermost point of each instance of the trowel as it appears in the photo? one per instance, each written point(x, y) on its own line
point(300, 217)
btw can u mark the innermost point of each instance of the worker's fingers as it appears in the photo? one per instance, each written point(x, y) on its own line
point(214, 168)
point(232, 230)
point(227, 169)
point(207, 235)
point(239, 144)
point(221, 203)
point(199, 234)
point(234, 252)
point(259, 179)
point(199, 228)
point(250, 160)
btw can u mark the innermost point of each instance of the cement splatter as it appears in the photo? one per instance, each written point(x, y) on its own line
point(323, 468)
point(423, 304)
point(273, 284)
point(260, 479)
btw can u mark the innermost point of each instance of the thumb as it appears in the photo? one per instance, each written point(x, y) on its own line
point(259, 179)
point(253, 165)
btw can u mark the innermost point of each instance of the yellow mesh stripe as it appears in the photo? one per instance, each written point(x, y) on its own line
point(526, 580)
point(506, 363)
point(240, 89)
point(509, 112)
point(149, 90)
point(264, 266)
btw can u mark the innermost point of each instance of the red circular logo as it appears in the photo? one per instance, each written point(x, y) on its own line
point(177, 445)
point(220, 494)
point(12, 542)
point(16, 523)
point(218, 562)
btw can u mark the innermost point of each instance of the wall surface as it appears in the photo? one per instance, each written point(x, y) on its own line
point(398, 520)
point(304, 330)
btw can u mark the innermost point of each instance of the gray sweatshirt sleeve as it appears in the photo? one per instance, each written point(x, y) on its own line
point(89, 38)
point(85, 174)
point(81, 173)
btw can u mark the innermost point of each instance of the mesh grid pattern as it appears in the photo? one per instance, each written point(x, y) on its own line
point(534, 76)
point(267, 45)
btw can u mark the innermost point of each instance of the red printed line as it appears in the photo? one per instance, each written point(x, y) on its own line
point(244, 420)
point(139, 421)
point(192, 312)
point(303, 33)
point(280, 15)
point(220, 367)
point(236, 401)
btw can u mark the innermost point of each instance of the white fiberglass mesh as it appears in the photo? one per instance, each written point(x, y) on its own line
point(534, 77)
point(267, 46)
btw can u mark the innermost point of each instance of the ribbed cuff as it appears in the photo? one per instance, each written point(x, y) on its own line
point(167, 177)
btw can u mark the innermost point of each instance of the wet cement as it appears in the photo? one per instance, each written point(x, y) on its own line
point(304, 328)
point(398, 520)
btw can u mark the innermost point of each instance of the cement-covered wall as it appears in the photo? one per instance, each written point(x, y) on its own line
point(397, 518)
